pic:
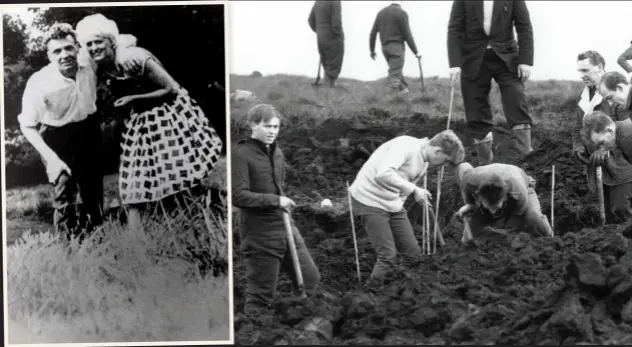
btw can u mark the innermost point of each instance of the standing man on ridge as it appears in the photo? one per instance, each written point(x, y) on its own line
point(325, 19)
point(481, 46)
point(392, 24)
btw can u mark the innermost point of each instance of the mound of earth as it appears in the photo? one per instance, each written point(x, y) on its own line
point(574, 288)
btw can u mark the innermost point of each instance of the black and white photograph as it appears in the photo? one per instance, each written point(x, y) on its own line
point(431, 172)
point(116, 194)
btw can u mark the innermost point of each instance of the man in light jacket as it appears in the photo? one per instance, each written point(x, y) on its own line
point(499, 198)
point(385, 181)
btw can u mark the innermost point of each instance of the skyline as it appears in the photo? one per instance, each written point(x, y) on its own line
point(252, 24)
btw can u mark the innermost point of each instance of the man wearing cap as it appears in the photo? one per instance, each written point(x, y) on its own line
point(57, 118)
point(394, 29)
point(258, 184)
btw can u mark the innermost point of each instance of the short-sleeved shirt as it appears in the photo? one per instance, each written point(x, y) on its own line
point(52, 99)
point(132, 79)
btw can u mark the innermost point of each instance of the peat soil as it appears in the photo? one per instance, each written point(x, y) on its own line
point(574, 288)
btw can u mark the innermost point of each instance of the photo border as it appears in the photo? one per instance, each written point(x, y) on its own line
point(227, 56)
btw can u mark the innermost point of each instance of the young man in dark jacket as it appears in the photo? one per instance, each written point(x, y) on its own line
point(258, 179)
point(392, 24)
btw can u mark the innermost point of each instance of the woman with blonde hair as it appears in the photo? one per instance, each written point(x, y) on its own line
point(168, 144)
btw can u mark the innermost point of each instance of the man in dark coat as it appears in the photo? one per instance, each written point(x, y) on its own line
point(392, 25)
point(325, 19)
point(481, 46)
point(624, 58)
point(612, 144)
point(258, 183)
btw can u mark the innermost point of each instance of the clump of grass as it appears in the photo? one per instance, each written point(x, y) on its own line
point(167, 281)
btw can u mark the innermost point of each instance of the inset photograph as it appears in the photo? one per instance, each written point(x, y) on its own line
point(116, 183)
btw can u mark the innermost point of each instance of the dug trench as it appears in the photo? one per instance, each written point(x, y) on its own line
point(574, 288)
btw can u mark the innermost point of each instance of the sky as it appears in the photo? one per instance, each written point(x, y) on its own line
point(274, 37)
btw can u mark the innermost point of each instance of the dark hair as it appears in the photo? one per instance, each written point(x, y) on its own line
point(612, 79)
point(263, 113)
point(593, 56)
point(59, 31)
point(596, 122)
point(450, 144)
point(493, 190)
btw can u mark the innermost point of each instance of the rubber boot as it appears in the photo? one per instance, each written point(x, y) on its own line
point(523, 138)
point(329, 82)
point(484, 149)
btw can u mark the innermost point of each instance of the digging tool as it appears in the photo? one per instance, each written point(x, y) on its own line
point(355, 242)
point(292, 245)
point(421, 75)
point(426, 223)
point(318, 73)
point(602, 208)
point(436, 215)
point(432, 217)
point(553, 200)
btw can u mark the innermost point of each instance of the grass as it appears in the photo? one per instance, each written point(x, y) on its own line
point(157, 284)
point(305, 105)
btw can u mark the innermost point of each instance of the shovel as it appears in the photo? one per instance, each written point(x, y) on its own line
point(292, 245)
point(431, 214)
point(421, 75)
point(317, 74)
point(602, 208)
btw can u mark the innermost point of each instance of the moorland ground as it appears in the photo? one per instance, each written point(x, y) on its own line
point(573, 288)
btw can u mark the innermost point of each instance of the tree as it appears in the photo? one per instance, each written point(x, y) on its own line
point(14, 38)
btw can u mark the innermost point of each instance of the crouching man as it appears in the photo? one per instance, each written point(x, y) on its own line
point(610, 145)
point(258, 177)
point(382, 186)
point(499, 198)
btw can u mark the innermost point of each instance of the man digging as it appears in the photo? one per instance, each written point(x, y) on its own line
point(392, 25)
point(499, 199)
point(258, 180)
point(385, 181)
point(612, 144)
point(57, 119)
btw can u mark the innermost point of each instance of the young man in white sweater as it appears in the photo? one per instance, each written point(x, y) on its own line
point(383, 184)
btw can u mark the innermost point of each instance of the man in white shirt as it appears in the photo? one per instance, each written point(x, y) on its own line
point(482, 46)
point(56, 107)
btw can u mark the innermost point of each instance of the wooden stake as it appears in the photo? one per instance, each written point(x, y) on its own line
point(553, 200)
point(355, 242)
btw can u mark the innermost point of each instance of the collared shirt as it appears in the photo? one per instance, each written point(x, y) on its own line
point(52, 99)
point(488, 7)
point(589, 99)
